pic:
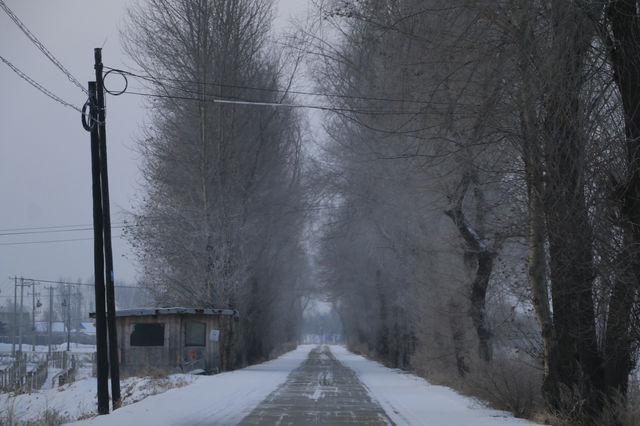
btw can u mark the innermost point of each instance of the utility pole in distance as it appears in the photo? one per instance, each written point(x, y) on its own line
point(68, 317)
point(21, 309)
point(15, 314)
point(106, 216)
point(50, 317)
point(33, 317)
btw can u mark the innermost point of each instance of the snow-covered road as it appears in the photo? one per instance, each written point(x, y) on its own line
point(222, 399)
point(410, 400)
point(228, 398)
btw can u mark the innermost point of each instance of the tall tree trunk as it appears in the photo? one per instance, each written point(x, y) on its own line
point(459, 346)
point(533, 160)
point(485, 257)
point(624, 52)
point(382, 344)
point(533, 164)
point(575, 367)
point(618, 342)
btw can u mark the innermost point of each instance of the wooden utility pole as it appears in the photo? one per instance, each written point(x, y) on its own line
point(50, 317)
point(98, 258)
point(15, 315)
point(33, 317)
point(107, 350)
point(68, 317)
point(21, 309)
point(106, 216)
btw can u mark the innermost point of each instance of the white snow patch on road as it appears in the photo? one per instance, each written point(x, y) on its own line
point(223, 399)
point(410, 400)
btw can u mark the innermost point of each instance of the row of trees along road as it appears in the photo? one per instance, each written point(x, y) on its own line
point(479, 184)
point(483, 173)
point(222, 217)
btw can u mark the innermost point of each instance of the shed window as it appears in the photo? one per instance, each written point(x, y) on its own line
point(195, 334)
point(147, 334)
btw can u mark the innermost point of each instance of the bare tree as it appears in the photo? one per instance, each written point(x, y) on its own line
point(223, 205)
point(513, 119)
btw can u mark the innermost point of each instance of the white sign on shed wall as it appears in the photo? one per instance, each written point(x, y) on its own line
point(214, 335)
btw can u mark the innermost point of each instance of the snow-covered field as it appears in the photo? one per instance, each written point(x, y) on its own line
point(226, 398)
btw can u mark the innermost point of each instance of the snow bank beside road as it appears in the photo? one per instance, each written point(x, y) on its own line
point(78, 399)
point(411, 400)
point(223, 399)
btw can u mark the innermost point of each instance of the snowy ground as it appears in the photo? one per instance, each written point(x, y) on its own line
point(223, 399)
point(411, 400)
point(78, 399)
point(226, 398)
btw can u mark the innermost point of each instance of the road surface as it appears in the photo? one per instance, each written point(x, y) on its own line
point(321, 391)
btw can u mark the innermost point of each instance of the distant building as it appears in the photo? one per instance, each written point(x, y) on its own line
point(7, 318)
point(57, 327)
point(7, 321)
point(85, 333)
point(172, 339)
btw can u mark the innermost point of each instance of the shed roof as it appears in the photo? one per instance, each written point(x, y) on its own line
point(173, 311)
point(56, 327)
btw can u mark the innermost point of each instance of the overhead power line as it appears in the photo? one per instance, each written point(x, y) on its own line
point(82, 226)
point(38, 85)
point(198, 96)
point(158, 80)
point(46, 241)
point(71, 283)
point(31, 228)
point(50, 241)
point(41, 46)
point(275, 104)
point(51, 231)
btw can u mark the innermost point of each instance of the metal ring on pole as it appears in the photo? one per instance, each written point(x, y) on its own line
point(88, 127)
point(114, 92)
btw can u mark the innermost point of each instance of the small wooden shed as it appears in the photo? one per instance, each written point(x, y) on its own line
point(172, 339)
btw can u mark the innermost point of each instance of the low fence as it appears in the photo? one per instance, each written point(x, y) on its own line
point(17, 376)
point(13, 372)
point(60, 359)
point(34, 379)
point(69, 364)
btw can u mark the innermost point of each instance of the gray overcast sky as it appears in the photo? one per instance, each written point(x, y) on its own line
point(45, 175)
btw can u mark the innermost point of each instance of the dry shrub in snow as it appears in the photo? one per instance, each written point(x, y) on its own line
point(507, 383)
point(623, 411)
point(617, 410)
point(50, 417)
point(149, 372)
point(137, 390)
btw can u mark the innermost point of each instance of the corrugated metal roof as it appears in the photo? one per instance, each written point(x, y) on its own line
point(173, 311)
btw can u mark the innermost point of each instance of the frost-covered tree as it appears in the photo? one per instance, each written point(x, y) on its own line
point(484, 156)
point(221, 218)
